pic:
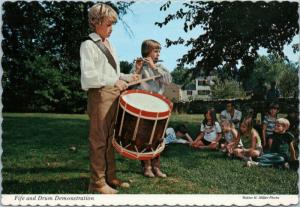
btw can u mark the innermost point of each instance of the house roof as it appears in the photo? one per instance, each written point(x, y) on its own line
point(173, 85)
point(189, 86)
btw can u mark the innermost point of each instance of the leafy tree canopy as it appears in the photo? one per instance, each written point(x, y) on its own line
point(273, 68)
point(181, 76)
point(41, 54)
point(233, 32)
point(125, 66)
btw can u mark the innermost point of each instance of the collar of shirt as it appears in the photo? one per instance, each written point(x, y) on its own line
point(95, 37)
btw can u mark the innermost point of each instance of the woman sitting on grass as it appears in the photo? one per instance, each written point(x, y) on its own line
point(232, 140)
point(210, 132)
point(251, 140)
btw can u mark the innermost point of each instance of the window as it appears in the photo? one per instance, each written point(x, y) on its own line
point(189, 92)
point(202, 82)
point(203, 92)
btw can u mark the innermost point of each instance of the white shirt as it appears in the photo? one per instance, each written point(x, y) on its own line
point(237, 115)
point(171, 137)
point(229, 138)
point(95, 68)
point(210, 132)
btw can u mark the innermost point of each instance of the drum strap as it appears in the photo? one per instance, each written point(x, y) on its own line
point(107, 53)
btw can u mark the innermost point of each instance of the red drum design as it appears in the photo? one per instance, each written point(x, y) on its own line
point(141, 123)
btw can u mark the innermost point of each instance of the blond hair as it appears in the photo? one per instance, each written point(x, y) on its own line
point(283, 122)
point(100, 12)
point(226, 122)
point(148, 46)
point(248, 123)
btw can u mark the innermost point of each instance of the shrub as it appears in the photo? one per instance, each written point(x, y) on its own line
point(227, 89)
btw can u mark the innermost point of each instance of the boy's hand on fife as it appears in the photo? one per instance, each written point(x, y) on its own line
point(139, 65)
point(150, 62)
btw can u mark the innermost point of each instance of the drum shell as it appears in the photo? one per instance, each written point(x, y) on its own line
point(139, 130)
point(143, 134)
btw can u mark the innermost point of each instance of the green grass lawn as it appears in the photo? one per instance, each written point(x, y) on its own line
point(36, 159)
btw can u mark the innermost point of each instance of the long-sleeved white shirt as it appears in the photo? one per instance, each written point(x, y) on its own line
point(96, 71)
point(157, 85)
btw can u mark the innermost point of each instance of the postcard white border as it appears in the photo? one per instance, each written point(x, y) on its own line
point(140, 199)
point(146, 199)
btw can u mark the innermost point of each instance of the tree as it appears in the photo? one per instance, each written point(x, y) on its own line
point(227, 89)
point(233, 32)
point(125, 67)
point(180, 76)
point(273, 68)
point(288, 82)
point(47, 33)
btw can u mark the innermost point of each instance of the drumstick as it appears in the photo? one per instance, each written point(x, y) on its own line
point(144, 80)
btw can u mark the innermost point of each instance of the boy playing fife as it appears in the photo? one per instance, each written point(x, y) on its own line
point(147, 67)
point(282, 148)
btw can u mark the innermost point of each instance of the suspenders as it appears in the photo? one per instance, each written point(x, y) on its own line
point(107, 53)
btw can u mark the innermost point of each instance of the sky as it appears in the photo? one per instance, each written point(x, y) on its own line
point(141, 20)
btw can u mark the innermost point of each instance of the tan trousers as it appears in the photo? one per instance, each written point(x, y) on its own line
point(102, 108)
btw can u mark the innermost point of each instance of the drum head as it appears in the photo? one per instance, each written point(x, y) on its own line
point(146, 103)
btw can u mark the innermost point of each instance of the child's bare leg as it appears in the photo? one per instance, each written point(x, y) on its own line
point(198, 144)
point(254, 153)
point(224, 147)
point(238, 153)
point(229, 148)
point(213, 146)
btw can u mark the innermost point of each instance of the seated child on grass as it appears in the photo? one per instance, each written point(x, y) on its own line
point(268, 125)
point(175, 136)
point(210, 132)
point(282, 149)
point(231, 138)
point(251, 141)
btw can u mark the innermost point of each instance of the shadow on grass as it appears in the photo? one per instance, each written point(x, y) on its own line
point(43, 170)
point(63, 186)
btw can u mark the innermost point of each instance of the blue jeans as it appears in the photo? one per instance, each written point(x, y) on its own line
point(270, 159)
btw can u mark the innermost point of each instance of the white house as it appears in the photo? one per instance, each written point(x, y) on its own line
point(199, 89)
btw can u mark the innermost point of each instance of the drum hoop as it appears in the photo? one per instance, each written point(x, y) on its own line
point(125, 108)
point(144, 113)
point(138, 155)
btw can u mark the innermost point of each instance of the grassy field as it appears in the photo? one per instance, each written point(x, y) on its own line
point(37, 159)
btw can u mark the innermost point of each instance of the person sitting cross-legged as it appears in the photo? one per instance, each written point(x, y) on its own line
point(210, 132)
point(251, 140)
point(282, 149)
point(231, 139)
